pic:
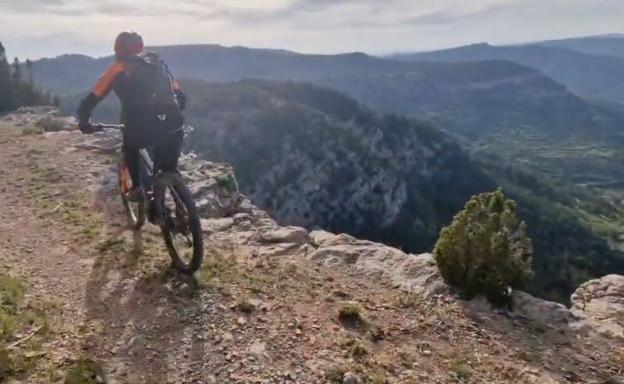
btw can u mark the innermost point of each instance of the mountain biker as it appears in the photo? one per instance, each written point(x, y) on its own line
point(151, 101)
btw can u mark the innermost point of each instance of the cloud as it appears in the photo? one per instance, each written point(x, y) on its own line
point(124, 8)
point(324, 26)
point(255, 11)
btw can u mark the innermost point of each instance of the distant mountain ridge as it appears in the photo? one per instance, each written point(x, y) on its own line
point(446, 92)
point(605, 45)
point(596, 77)
point(217, 63)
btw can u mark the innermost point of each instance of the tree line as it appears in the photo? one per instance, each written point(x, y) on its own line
point(17, 88)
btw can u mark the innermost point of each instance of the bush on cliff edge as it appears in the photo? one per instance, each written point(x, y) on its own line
point(485, 249)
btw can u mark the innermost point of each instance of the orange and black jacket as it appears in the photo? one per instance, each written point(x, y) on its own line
point(116, 78)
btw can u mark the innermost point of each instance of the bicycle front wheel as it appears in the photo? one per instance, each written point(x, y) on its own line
point(180, 224)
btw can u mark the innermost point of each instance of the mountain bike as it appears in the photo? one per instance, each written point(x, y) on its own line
point(168, 203)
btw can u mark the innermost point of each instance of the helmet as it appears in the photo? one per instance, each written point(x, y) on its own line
point(128, 43)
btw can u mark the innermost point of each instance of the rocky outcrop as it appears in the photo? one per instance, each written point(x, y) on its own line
point(413, 273)
point(602, 300)
point(40, 119)
point(230, 217)
point(597, 308)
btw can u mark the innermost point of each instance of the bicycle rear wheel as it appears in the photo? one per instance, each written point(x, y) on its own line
point(135, 211)
point(180, 224)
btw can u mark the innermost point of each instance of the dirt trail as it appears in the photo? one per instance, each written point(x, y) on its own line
point(264, 313)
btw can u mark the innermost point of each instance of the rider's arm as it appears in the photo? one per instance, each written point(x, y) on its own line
point(99, 92)
point(180, 95)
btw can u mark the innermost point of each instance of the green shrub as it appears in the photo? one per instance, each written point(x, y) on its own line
point(11, 295)
point(227, 181)
point(28, 131)
point(334, 374)
point(351, 312)
point(245, 306)
point(359, 349)
point(19, 317)
point(485, 249)
point(85, 371)
point(51, 124)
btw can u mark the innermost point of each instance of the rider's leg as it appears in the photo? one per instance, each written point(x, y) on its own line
point(166, 154)
point(132, 159)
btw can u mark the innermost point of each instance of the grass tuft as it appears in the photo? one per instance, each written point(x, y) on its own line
point(22, 325)
point(461, 369)
point(335, 374)
point(85, 371)
point(245, 306)
point(351, 312)
point(359, 349)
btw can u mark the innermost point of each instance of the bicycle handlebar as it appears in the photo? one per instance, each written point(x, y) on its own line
point(187, 128)
point(100, 126)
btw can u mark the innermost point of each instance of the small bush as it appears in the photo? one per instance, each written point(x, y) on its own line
point(334, 374)
point(11, 295)
point(485, 249)
point(51, 124)
point(85, 371)
point(245, 306)
point(227, 181)
point(351, 312)
point(32, 131)
point(19, 317)
point(461, 369)
point(5, 365)
point(406, 299)
point(359, 349)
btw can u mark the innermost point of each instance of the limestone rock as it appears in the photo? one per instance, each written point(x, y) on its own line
point(602, 300)
point(46, 118)
point(217, 225)
point(320, 238)
point(324, 238)
point(295, 235)
point(543, 312)
point(413, 273)
point(257, 349)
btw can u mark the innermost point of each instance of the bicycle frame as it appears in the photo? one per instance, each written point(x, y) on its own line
point(143, 152)
point(146, 159)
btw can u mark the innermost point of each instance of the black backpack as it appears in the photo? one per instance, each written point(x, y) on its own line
point(152, 83)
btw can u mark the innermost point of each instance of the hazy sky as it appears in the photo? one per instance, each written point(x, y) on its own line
point(36, 28)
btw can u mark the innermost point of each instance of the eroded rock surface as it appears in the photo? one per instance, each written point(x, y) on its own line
point(602, 300)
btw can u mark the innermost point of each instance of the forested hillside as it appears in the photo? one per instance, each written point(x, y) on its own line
point(317, 158)
point(17, 87)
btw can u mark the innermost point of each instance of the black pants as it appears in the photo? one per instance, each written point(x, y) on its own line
point(163, 137)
